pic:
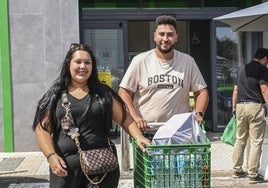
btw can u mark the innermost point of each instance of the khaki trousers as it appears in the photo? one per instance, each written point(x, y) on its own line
point(250, 123)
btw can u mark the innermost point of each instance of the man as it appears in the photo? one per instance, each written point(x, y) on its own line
point(249, 97)
point(157, 83)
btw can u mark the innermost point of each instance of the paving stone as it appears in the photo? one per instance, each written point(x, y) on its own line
point(10, 164)
point(29, 185)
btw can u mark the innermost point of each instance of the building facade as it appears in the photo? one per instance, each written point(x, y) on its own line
point(37, 33)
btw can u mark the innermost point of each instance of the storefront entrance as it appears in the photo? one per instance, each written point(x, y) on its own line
point(117, 39)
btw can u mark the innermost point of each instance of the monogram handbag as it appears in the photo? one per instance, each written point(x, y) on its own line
point(98, 161)
point(95, 161)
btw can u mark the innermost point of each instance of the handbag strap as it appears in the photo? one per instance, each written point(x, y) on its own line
point(95, 182)
point(74, 132)
point(67, 106)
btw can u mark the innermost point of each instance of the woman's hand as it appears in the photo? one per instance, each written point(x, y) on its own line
point(57, 165)
point(142, 142)
point(46, 144)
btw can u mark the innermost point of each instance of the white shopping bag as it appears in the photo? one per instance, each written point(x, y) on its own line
point(180, 129)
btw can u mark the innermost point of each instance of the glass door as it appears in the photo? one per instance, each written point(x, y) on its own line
point(227, 52)
point(108, 41)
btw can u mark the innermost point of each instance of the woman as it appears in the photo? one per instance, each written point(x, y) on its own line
point(93, 106)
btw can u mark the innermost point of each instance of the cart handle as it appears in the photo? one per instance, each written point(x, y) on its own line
point(156, 124)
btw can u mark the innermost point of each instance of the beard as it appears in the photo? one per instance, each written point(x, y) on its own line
point(165, 51)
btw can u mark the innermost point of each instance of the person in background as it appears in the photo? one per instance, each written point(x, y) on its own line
point(93, 106)
point(157, 83)
point(249, 97)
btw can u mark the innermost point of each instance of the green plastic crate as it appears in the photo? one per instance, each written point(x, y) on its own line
point(172, 166)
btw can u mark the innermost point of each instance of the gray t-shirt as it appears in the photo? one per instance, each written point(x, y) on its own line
point(249, 79)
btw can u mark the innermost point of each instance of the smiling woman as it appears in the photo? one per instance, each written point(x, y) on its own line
point(80, 69)
point(92, 107)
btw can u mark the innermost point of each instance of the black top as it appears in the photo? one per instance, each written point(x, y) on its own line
point(249, 79)
point(94, 125)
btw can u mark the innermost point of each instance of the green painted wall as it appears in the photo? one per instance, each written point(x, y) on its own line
point(166, 3)
point(6, 78)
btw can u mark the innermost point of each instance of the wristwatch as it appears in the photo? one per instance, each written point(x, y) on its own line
point(200, 114)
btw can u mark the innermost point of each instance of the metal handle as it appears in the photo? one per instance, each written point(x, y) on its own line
point(156, 124)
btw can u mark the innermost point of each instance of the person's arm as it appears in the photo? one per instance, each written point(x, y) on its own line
point(46, 145)
point(129, 125)
point(264, 91)
point(234, 100)
point(202, 99)
point(126, 96)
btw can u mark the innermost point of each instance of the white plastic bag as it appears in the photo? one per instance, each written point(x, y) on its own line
point(180, 129)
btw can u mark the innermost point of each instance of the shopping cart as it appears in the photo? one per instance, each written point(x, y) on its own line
point(172, 166)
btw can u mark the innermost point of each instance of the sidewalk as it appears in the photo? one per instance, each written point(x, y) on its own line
point(30, 169)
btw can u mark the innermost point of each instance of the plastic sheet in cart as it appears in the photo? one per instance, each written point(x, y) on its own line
point(180, 129)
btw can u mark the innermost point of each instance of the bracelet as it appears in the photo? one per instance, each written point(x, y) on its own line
point(49, 155)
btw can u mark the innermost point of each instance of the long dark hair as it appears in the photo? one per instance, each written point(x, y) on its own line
point(47, 104)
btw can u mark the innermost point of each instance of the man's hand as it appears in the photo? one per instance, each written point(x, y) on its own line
point(199, 118)
point(142, 123)
point(234, 112)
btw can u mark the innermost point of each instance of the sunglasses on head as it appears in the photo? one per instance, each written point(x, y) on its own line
point(77, 46)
